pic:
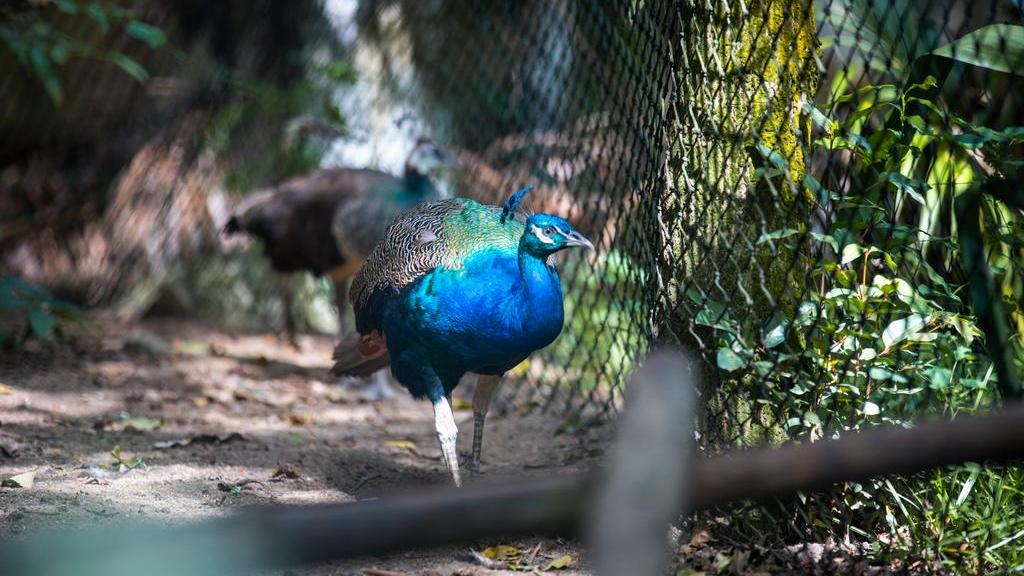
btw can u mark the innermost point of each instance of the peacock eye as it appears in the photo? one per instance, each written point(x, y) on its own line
point(549, 230)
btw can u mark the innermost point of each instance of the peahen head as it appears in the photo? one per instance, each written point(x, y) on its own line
point(427, 156)
point(546, 234)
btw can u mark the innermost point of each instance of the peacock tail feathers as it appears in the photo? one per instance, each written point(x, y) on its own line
point(434, 234)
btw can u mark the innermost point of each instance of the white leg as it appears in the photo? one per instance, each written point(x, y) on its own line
point(486, 386)
point(447, 432)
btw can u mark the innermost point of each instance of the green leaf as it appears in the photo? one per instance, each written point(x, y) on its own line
point(940, 378)
point(853, 251)
point(151, 35)
point(776, 235)
point(42, 323)
point(819, 118)
point(918, 124)
point(827, 239)
point(970, 141)
point(820, 192)
point(773, 157)
point(60, 52)
point(713, 314)
point(129, 66)
point(729, 360)
point(775, 334)
point(47, 74)
point(997, 47)
point(97, 13)
point(909, 185)
point(879, 373)
point(66, 6)
point(341, 71)
point(899, 330)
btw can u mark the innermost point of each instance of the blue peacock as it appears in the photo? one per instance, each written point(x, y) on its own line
point(456, 286)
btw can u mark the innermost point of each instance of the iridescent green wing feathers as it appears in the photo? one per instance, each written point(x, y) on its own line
point(433, 234)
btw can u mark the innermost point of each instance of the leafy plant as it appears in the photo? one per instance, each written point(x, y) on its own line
point(43, 312)
point(32, 33)
point(877, 326)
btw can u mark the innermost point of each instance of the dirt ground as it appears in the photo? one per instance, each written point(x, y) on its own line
point(172, 421)
point(264, 424)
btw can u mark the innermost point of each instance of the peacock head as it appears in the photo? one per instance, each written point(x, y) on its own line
point(546, 234)
point(427, 156)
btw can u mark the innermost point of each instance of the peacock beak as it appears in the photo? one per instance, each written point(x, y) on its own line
point(577, 239)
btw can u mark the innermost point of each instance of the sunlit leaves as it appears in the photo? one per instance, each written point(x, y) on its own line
point(729, 360)
point(899, 330)
point(997, 47)
point(775, 333)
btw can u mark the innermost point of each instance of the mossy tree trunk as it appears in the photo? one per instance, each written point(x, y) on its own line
point(741, 79)
point(742, 72)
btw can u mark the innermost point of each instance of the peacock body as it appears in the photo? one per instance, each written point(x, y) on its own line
point(456, 287)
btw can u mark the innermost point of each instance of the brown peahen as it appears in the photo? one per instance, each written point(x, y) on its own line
point(327, 222)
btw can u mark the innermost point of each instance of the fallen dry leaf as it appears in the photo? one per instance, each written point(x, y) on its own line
point(487, 562)
point(23, 480)
point(140, 424)
point(560, 563)
point(301, 419)
point(460, 404)
point(700, 538)
point(192, 347)
point(502, 552)
point(401, 444)
point(127, 423)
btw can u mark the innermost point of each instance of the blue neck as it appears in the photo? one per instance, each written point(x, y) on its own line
point(540, 282)
point(416, 183)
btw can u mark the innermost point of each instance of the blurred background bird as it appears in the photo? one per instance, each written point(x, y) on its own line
point(457, 286)
point(327, 222)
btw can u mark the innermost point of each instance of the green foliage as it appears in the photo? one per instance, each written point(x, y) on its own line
point(42, 312)
point(880, 329)
point(35, 33)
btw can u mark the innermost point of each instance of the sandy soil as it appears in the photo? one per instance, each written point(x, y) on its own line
point(290, 435)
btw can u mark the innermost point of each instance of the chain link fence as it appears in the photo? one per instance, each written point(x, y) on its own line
point(774, 184)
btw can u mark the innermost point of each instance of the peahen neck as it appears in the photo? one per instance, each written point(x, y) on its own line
point(416, 183)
